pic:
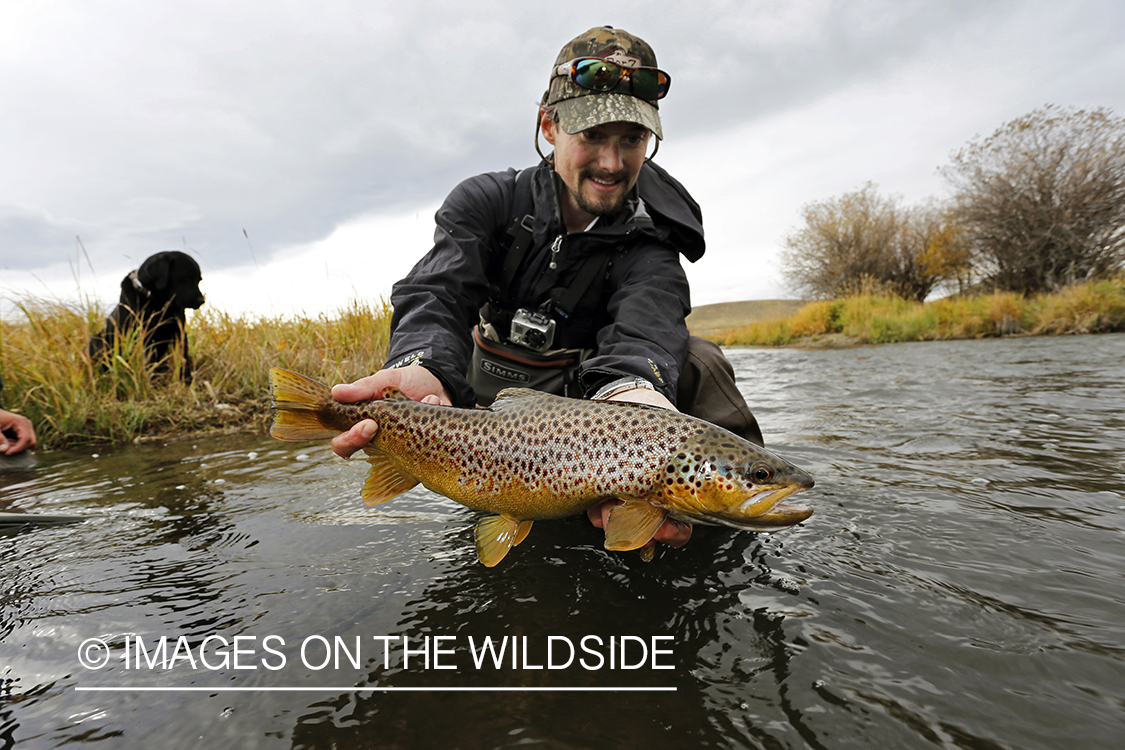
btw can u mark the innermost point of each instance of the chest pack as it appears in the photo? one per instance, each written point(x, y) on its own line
point(514, 345)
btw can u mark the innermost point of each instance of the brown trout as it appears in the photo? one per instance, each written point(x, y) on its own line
point(534, 456)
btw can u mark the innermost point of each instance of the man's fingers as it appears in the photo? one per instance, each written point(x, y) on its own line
point(347, 443)
point(348, 393)
point(673, 533)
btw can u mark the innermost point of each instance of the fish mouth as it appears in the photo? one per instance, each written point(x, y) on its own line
point(764, 511)
point(780, 516)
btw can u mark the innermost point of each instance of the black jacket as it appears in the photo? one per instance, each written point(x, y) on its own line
point(633, 318)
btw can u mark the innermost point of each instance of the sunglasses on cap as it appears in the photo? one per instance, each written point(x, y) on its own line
point(602, 75)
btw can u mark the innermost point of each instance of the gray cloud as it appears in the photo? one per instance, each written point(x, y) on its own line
point(140, 126)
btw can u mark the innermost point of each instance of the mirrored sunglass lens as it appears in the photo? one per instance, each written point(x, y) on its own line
point(597, 75)
point(649, 83)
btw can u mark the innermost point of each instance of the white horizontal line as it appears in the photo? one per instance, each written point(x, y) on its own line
point(352, 689)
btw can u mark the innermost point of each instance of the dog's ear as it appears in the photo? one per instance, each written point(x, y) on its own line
point(154, 272)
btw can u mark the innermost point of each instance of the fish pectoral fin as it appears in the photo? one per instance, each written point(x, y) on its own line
point(495, 535)
point(385, 480)
point(631, 525)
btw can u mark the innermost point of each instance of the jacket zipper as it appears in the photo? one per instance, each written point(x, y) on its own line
point(556, 247)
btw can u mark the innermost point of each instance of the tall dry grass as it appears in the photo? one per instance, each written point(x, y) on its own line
point(1095, 307)
point(48, 377)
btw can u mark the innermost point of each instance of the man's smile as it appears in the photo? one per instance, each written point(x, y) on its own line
point(605, 183)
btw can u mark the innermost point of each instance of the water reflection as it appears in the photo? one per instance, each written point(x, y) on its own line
point(562, 585)
point(959, 584)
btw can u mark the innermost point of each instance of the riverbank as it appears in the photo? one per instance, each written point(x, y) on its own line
point(1095, 307)
point(48, 377)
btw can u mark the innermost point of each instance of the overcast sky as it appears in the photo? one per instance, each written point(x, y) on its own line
point(299, 150)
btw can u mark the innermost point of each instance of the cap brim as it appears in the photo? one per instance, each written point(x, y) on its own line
point(582, 112)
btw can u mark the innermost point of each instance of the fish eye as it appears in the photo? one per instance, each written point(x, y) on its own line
point(761, 474)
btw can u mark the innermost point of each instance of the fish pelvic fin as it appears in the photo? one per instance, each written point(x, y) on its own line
point(495, 535)
point(632, 525)
point(297, 401)
point(386, 480)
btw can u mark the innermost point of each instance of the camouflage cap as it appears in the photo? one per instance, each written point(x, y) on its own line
point(581, 108)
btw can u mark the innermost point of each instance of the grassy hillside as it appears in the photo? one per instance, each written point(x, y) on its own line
point(708, 320)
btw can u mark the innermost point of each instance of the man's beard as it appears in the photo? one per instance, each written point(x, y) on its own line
point(597, 208)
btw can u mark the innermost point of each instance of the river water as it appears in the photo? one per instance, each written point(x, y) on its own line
point(960, 585)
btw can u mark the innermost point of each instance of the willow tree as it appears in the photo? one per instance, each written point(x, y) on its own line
point(1041, 201)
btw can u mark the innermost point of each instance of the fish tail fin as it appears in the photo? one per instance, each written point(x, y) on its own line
point(297, 401)
point(495, 535)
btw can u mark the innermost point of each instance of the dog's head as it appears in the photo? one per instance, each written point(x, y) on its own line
point(172, 278)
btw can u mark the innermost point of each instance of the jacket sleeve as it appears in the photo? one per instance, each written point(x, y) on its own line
point(647, 335)
point(438, 303)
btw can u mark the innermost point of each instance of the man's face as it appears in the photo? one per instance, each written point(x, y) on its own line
point(599, 166)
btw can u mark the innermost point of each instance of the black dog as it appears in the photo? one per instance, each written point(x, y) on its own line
point(155, 296)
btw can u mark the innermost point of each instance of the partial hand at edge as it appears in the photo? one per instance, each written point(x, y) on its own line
point(23, 429)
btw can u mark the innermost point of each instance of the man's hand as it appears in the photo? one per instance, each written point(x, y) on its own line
point(414, 381)
point(21, 427)
point(671, 532)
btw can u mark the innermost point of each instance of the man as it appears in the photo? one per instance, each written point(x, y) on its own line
point(565, 277)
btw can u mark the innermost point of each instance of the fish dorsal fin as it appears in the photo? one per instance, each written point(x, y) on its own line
point(385, 480)
point(631, 525)
point(495, 535)
point(512, 396)
point(390, 393)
